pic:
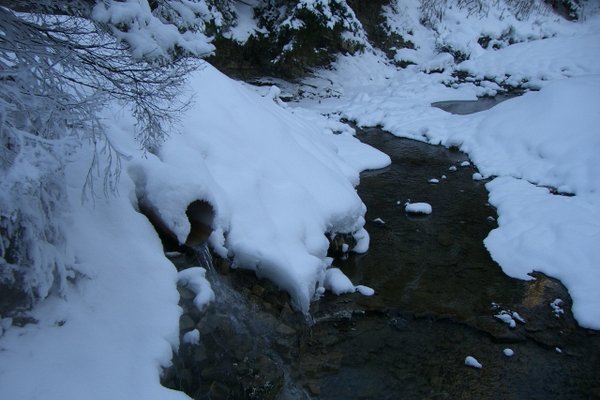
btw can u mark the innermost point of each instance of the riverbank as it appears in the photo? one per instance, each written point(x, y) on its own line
point(439, 298)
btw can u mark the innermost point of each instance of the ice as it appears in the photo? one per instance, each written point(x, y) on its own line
point(418, 208)
point(465, 164)
point(471, 361)
point(508, 352)
point(379, 221)
point(434, 180)
point(477, 176)
point(453, 168)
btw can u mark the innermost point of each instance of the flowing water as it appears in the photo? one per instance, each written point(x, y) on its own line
point(437, 294)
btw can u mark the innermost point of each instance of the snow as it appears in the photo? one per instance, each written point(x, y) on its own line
point(109, 334)
point(278, 182)
point(471, 361)
point(245, 24)
point(434, 180)
point(557, 309)
point(545, 138)
point(418, 208)
point(508, 352)
point(192, 337)
point(506, 318)
point(194, 279)
point(517, 317)
point(365, 290)
point(282, 176)
point(337, 283)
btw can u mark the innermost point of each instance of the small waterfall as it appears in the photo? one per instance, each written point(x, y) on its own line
point(242, 348)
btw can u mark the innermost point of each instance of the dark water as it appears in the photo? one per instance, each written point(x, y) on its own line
point(435, 285)
point(437, 292)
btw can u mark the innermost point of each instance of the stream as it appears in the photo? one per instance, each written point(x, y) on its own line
point(439, 298)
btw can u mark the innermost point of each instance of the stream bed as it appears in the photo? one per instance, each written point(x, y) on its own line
point(439, 298)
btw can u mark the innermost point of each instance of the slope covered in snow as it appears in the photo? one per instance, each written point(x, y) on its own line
point(278, 183)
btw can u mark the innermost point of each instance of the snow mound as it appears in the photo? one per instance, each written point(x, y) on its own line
point(338, 283)
point(418, 208)
point(194, 279)
point(278, 177)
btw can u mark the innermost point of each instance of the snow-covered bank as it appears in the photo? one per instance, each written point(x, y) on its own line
point(278, 182)
point(110, 332)
point(548, 138)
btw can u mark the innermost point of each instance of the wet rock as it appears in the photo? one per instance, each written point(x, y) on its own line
point(285, 330)
point(186, 294)
point(186, 323)
point(258, 290)
point(314, 388)
point(219, 391)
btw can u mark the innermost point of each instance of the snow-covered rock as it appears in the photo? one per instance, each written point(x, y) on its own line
point(418, 208)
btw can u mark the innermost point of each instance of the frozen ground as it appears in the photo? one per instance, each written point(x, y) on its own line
point(537, 145)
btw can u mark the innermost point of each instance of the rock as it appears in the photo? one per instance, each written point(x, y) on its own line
point(186, 294)
point(314, 388)
point(186, 323)
point(218, 391)
point(258, 290)
point(286, 330)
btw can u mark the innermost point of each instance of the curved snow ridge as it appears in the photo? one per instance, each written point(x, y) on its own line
point(279, 181)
